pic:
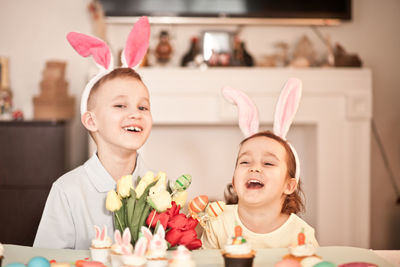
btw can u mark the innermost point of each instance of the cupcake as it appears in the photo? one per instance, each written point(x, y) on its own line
point(121, 246)
point(100, 247)
point(157, 247)
point(302, 250)
point(138, 258)
point(181, 258)
point(1, 253)
point(237, 252)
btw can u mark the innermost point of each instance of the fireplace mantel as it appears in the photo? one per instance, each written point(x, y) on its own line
point(336, 104)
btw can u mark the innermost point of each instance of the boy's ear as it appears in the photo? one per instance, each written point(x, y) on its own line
point(89, 121)
point(290, 186)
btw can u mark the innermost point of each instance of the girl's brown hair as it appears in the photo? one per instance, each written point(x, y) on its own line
point(293, 203)
point(116, 73)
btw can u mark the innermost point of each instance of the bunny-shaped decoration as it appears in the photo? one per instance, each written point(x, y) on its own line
point(135, 49)
point(157, 245)
point(100, 248)
point(285, 111)
point(122, 244)
point(138, 257)
point(159, 198)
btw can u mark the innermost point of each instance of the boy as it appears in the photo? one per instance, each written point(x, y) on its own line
point(115, 109)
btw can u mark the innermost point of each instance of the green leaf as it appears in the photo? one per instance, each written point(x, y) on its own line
point(130, 206)
point(140, 205)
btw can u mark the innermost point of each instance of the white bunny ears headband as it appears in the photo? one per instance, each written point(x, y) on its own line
point(285, 111)
point(135, 49)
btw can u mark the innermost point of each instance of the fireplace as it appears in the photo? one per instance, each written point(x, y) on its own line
point(195, 131)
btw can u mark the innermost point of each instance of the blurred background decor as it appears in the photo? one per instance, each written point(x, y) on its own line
point(54, 103)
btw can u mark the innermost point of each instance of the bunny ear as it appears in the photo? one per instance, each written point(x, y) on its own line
point(126, 236)
point(248, 114)
point(87, 45)
point(140, 247)
point(160, 232)
point(117, 237)
point(136, 44)
point(286, 107)
point(103, 233)
point(146, 233)
point(97, 229)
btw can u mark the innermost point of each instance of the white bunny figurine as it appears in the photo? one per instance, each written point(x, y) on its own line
point(157, 245)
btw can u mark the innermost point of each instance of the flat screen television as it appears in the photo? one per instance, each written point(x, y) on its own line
point(250, 10)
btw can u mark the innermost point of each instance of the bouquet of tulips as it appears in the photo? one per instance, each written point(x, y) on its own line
point(131, 206)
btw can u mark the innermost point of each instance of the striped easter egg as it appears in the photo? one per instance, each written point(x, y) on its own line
point(183, 182)
point(215, 208)
point(199, 203)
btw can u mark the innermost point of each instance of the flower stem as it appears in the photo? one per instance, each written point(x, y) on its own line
point(119, 222)
point(152, 218)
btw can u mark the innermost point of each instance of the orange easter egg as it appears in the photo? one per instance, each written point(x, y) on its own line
point(199, 203)
point(215, 208)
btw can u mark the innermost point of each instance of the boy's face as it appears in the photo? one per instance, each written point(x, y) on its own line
point(260, 177)
point(121, 114)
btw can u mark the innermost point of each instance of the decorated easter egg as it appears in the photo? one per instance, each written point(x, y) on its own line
point(183, 182)
point(215, 208)
point(325, 264)
point(358, 264)
point(199, 203)
point(16, 264)
point(288, 263)
point(310, 261)
point(38, 262)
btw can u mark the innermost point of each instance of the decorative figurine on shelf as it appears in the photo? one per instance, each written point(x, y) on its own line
point(5, 92)
point(54, 103)
point(344, 59)
point(98, 19)
point(191, 58)
point(240, 56)
point(304, 54)
point(163, 48)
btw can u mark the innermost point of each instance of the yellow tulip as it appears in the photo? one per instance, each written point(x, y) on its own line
point(147, 179)
point(113, 202)
point(124, 185)
point(180, 198)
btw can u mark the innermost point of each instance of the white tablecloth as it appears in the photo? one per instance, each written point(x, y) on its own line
point(207, 258)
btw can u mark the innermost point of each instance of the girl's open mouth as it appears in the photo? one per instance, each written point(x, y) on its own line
point(254, 184)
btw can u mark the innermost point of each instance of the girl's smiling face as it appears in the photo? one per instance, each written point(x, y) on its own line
point(261, 176)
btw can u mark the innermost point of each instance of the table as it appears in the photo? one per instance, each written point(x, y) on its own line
point(212, 257)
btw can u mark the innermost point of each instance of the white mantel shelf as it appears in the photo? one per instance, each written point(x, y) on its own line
point(337, 102)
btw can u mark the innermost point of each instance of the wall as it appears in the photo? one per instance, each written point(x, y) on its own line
point(32, 32)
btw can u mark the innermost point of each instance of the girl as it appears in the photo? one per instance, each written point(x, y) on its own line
point(265, 181)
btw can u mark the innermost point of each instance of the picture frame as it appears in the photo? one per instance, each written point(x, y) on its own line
point(4, 72)
point(217, 47)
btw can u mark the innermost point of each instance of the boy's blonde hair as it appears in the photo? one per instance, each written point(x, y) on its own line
point(117, 73)
point(293, 203)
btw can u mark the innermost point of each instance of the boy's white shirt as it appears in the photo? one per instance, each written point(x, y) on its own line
point(76, 203)
point(222, 228)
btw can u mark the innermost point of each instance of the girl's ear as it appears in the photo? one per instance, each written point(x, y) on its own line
point(89, 121)
point(291, 185)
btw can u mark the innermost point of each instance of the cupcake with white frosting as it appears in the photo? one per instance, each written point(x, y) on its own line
point(157, 247)
point(122, 246)
point(302, 250)
point(181, 258)
point(137, 258)
point(237, 251)
point(101, 245)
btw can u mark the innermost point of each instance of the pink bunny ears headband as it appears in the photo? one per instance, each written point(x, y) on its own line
point(285, 111)
point(135, 49)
